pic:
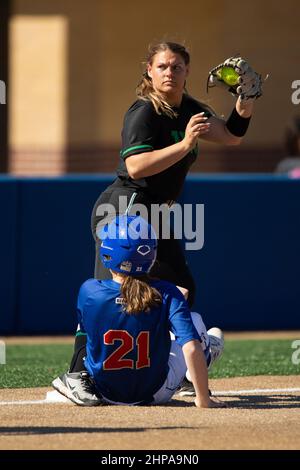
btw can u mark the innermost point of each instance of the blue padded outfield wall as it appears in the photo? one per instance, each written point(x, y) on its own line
point(247, 273)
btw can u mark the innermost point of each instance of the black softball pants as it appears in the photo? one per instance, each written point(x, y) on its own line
point(170, 263)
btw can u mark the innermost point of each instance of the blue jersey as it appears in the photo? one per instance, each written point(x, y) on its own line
point(128, 354)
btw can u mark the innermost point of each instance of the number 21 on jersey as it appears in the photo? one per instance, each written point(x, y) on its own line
point(117, 360)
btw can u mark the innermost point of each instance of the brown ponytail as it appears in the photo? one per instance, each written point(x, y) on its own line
point(138, 296)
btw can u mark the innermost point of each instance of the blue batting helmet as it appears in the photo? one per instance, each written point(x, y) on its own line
point(128, 245)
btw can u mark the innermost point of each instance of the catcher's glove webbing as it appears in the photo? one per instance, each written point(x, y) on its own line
point(236, 76)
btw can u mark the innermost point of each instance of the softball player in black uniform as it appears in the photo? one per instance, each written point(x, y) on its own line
point(144, 132)
point(159, 145)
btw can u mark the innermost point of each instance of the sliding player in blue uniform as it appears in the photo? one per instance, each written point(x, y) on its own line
point(130, 357)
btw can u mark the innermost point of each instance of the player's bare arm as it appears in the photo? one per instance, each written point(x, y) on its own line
point(150, 163)
point(196, 364)
point(219, 133)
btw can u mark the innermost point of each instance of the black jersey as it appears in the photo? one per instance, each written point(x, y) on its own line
point(144, 131)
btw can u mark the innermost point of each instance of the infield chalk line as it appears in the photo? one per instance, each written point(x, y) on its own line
point(24, 402)
point(56, 397)
point(52, 396)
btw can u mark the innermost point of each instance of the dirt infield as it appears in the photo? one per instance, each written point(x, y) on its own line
point(253, 420)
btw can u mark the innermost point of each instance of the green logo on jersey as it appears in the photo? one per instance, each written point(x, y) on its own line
point(178, 136)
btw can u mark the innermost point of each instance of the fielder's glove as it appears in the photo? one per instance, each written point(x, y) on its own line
point(248, 83)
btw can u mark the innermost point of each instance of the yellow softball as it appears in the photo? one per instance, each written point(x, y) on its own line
point(229, 76)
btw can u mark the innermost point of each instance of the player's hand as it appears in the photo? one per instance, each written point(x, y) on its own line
point(196, 127)
point(210, 403)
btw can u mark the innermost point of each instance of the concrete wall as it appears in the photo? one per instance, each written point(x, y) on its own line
point(74, 66)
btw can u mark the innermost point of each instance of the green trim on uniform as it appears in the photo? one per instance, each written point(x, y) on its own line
point(80, 333)
point(135, 147)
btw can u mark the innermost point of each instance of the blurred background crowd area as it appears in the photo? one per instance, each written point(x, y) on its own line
point(71, 67)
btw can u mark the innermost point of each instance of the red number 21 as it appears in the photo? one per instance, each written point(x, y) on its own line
point(116, 360)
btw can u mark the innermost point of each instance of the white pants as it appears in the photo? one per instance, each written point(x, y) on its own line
point(177, 365)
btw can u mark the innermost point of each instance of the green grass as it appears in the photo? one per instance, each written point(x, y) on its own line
point(36, 365)
point(256, 357)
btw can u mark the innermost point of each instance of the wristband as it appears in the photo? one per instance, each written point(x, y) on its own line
point(236, 124)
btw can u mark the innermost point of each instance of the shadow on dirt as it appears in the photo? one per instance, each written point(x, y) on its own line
point(247, 401)
point(263, 401)
point(39, 430)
